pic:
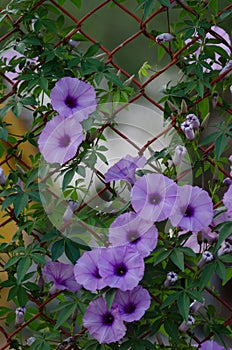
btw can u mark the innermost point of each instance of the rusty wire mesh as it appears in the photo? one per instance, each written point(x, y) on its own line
point(140, 87)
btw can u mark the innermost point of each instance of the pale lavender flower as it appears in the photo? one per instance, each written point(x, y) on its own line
point(211, 345)
point(86, 270)
point(184, 326)
point(19, 315)
point(153, 196)
point(130, 228)
point(164, 37)
point(205, 258)
point(62, 275)
point(124, 169)
point(103, 324)
point(180, 152)
point(227, 200)
point(74, 43)
point(60, 139)
point(132, 304)
point(73, 97)
point(193, 209)
point(71, 207)
point(193, 120)
point(30, 341)
point(188, 130)
point(198, 240)
point(171, 278)
point(121, 267)
point(2, 177)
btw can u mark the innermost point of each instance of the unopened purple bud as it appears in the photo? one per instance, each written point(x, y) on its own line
point(227, 181)
point(74, 43)
point(184, 326)
point(72, 206)
point(205, 258)
point(187, 128)
point(171, 278)
point(19, 315)
point(180, 152)
point(193, 120)
point(164, 37)
point(225, 248)
point(230, 159)
point(215, 100)
point(30, 341)
point(2, 177)
point(195, 306)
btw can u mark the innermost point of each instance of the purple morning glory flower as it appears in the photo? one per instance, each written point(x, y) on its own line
point(133, 303)
point(59, 140)
point(121, 267)
point(199, 240)
point(211, 345)
point(73, 97)
point(62, 275)
point(124, 169)
point(153, 196)
point(86, 270)
point(130, 228)
point(193, 209)
point(227, 200)
point(103, 324)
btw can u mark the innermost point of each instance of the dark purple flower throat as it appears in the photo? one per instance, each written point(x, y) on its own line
point(121, 270)
point(70, 101)
point(108, 319)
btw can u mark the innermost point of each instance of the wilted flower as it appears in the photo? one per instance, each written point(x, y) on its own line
point(86, 270)
point(164, 37)
point(130, 228)
point(132, 304)
point(153, 196)
point(73, 97)
point(71, 207)
point(59, 140)
point(184, 326)
point(205, 258)
point(193, 209)
point(2, 177)
point(121, 267)
point(103, 324)
point(171, 278)
point(180, 152)
point(62, 275)
point(124, 169)
point(19, 315)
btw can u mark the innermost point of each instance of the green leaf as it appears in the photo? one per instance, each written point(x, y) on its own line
point(50, 236)
point(57, 249)
point(220, 145)
point(12, 261)
point(92, 50)
point(39, 344)
point(223, 234)
point(221, 271)
point(78, 3)
point(177, 258)
point(12, 293)
point(72, 250)
point(171, 329)
point(22, 296)
point(206, 274)
point(148, 8)
point(183, 303)
point(22, 268)
point(20, 203)
point(67, 178)
point(109, 296)
point(65, 314)
point(113, 78)
point(165, 3)
point(3, 134)
point(162, 256)
point(169, 300)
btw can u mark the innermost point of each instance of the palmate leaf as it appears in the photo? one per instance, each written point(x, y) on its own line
point(183, 303)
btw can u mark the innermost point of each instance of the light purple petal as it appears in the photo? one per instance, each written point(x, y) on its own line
point(227, 200)
point(211, 345)
point(95, 320)
point(86, 270)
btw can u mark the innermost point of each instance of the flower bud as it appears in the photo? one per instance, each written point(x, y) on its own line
point(215, 100)
point(184, 326)
point(227, 181)
point(171, 278)
point(129, 80)
point(73, 43)
point(72, 206)
point(193, 120)
point(184, 107)
point(172, 107)
point(206, 257)
point(188, 130)
point(19, 315)
point(225, 248)
point(164, 37)
point(196, 305)
point(180, 152)
point(30, 341)
point(2, 177)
